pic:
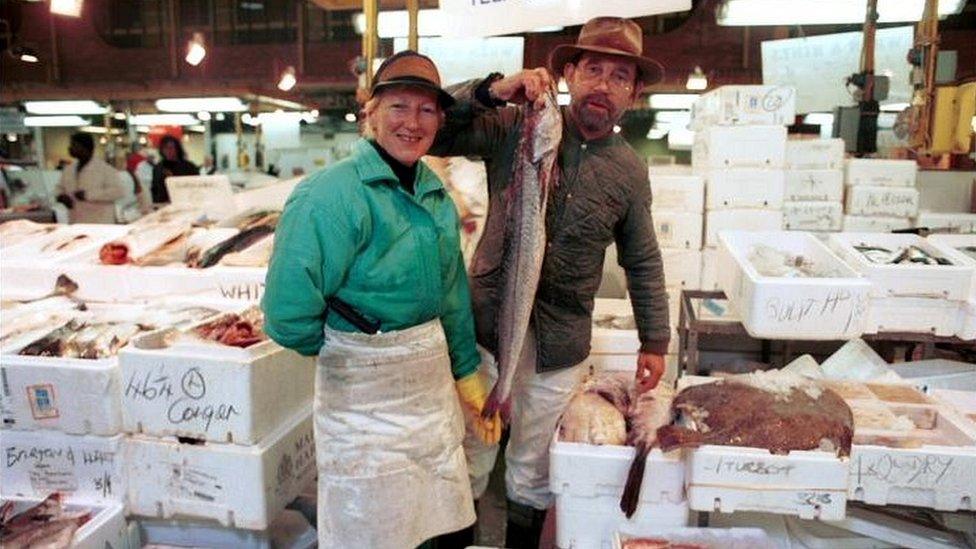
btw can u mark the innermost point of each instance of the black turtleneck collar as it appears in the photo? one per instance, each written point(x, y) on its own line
point(406, 174)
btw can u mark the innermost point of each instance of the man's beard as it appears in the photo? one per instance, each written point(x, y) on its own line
point(594, 120)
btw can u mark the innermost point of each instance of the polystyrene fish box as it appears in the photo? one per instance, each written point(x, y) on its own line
point(678, 230)
point(967, 322)
point(792, 307)
point(882, 201)
point(677, 193)
point(953, 282)
point(962, 223)
point(682, 268)
point(964, 244)
point(239, 486)
point(726, 479)
point(23, 280)
point(740, 220)
point(815, 154)
point(88, 469)
point(880, 173)
point(745, 105)
point(868, 224)
point(709, 276)
point(814, 186)
point(588, 481)
point(73, 395)
point(728, 189)
point(812, 216)
point(219, 282)
point(738, 147)
point(727, 538)
point(209, 391)
point(933, 315)
point(938, 473)
point(105, 529)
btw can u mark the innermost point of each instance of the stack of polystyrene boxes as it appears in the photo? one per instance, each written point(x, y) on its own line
point(218, 432)
point(677, 207)
point(881, 195)
point(740, 150)
point(814, 196)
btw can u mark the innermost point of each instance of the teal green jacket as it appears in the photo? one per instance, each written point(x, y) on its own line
point(353, 232)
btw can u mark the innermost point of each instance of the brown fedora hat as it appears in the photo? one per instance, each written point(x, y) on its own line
point(612, 36)
point(409, 68)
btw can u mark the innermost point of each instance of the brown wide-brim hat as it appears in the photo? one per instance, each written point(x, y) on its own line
point(409, 68)
point(611, 36)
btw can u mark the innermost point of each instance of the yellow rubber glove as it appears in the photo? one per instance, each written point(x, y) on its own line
point(473, 390)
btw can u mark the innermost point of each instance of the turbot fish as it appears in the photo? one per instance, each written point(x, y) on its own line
point(534, 176)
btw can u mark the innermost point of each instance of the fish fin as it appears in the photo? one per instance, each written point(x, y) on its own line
point(635, 477)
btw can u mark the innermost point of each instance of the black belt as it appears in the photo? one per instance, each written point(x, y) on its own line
point(353, 316)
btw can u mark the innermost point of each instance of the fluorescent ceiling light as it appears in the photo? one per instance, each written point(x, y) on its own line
point(288, 80)
point(119, 116)
point(819, 119)
point(195, 49)
point(656, 133)
point(64, 107)
point(204, 116)
point(25, 54)
point(562, 86)
point(894, 107)
point(350, 117)
point(823, 12)
point(71, 8)
point(164, 120)
point(197, 104)
point(99, 129)
point(197, 128)
point(616, 129)
point(697, 80)
point(396, 24)
point(280, 103)
point(54, 121)
point(550, 28)
point(672, 101)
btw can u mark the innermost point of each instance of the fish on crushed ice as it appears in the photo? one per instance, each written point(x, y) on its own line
point(202, 259)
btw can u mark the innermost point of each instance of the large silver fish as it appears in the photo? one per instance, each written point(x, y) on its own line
point(533, 177)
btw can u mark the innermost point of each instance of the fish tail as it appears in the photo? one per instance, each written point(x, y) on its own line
point(635, 477)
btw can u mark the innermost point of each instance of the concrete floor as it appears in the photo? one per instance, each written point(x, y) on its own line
point(491, 507)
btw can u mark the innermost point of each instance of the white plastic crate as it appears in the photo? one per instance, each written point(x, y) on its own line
point(813, 216)
point(932, 315)
point(67, 394)
point(880, 173)
point(88, 469)
point(940, 474)
point(815, 154)
point(814, 185)
point(588, 481)
point(745, 105)
point(728, 189)
point(882, 201)
point(959, 243)
point(677, 193)
point(794, 308)
point(219, 282)
point(740, 220)
point(212, 392)
point(682, 268)
point(953, 282)
point(808, 484)
point(106, 529)
point(726, 538)
point(678, 230)
point(738, 147)
point(239, 486)
point(866, 224)
point(962, 223)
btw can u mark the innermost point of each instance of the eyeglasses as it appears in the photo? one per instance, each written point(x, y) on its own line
point(617, 79)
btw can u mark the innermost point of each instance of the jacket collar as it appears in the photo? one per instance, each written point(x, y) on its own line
point(372, 169)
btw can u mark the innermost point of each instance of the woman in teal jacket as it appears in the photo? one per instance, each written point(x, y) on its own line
point(367, 274)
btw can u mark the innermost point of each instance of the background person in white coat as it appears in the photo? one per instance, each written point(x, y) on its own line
point(89, 187)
